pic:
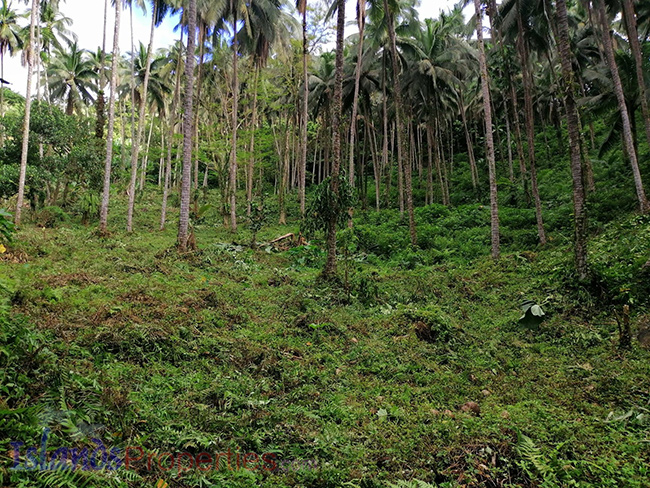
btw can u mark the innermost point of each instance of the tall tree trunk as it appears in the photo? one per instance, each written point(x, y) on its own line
point(235, 122)
point(361, 23)
point(401, 143)
point(337, 116)
point(100, 103)
point(188, 119)
point(530, 124)
point(28, 108)
point(103, 214)
point(635, 46)
point(251, 160)
point(305, 109)
point(620, 97)
point(135, 148)
point(487, 109)
point(579, 210)
point(470, 146)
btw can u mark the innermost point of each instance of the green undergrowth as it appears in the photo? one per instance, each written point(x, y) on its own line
point(362, 383)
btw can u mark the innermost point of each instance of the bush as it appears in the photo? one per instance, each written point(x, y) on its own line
point(6, 226)
point(50, 216)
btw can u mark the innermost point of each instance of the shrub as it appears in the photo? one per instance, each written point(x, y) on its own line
point(51, 216)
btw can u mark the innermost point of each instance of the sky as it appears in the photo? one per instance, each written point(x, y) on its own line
point(88, 15)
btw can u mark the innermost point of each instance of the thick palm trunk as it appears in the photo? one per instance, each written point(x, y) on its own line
point(100, 103)
point(337, 115)
point(188, 119)
point(401, 143)
point(235, 121)
point(305, 110)
point(635, 46)
point(28, 107)
point(579, 210)
point(103, 214)
point(628, 137)
point(135, 149)
point(487, 109)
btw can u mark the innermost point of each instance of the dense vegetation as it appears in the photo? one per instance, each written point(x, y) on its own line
point(420, 259)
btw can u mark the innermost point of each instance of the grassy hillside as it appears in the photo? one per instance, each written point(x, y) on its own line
point(364, 383)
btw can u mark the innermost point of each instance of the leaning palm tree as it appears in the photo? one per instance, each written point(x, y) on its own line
point(628, 137)
point(28, 107)
point(72, 78)
point(10, 42)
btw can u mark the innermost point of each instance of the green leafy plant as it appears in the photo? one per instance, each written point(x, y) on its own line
point(88, 205)
point(6, 226)
point(533, 314)
point(325, 205)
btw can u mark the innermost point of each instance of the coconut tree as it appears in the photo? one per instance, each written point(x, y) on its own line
point(568, 82)
point(635, 46)
point(10, 41)
point(188, 119)
point(72, 77)
point(28, 107)
point(106, 192)
point(628, 137)
point(489, 140)
point(337, 115)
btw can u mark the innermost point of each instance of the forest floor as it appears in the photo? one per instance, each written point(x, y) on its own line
point(363, 383)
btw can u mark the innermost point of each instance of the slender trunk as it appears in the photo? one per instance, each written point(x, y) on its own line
point(188, 119)
point(628, 138)
point(635, 46)
point(511, 170)
point(135, 148)
point(361, 23)
point(28, 107)
point(103, 215)
point(401, 135)
point(579, 212)
point(251, 160)
point(235, 121)
point(305, 112)
point(170, 139)
point(487, 109)
point(337, 116)
point(145, 163)
point(385, 128)
point(470, 146)
point(530, 125)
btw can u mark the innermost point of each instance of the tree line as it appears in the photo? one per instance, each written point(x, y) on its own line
point(250, 96)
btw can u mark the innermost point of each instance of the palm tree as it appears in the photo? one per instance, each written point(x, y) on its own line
point(401, 132)
point(361, 24)
point(337, 115)
point(635, 47)
point(628, 137)
point(188, 119)
point(487, 113)
point(304, 116)
point(72, 77)
point(579, 210)
point(10, 41)
point(103, 214)
point(28, 107)
point(159, 11)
